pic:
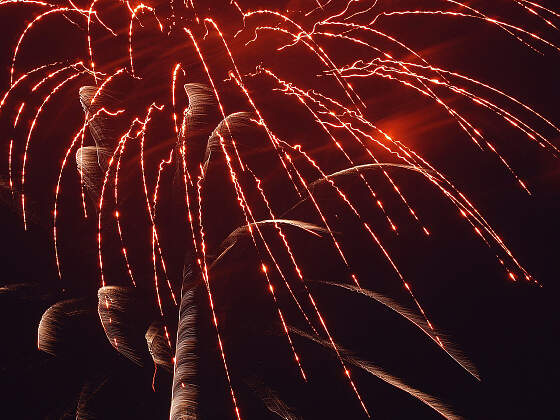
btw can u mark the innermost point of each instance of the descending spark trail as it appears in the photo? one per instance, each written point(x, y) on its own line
point(152, 210)
point(367, 227)
point(11, 148)
point(338, 50)
point(28, 141)
point(117, 218)
point(202, 263)
point(79, 135)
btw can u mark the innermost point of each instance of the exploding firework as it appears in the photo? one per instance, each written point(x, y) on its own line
point(223, 145)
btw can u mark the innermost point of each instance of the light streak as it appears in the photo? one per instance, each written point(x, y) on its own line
point(28, 141)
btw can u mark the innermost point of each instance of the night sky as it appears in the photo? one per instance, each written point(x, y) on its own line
point(506, 329)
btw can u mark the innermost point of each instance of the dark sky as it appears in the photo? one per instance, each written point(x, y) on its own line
point(507, 329)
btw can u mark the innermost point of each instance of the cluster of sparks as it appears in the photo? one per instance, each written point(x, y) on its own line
point(337, 117)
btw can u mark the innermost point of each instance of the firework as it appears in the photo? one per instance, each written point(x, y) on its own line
point(116, 309)
point(215, 129)
point(58, 325)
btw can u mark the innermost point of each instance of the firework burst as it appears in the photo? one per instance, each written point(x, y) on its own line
point(213, 129)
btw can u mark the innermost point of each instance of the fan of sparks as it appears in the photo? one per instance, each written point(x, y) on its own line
point(335, 104)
